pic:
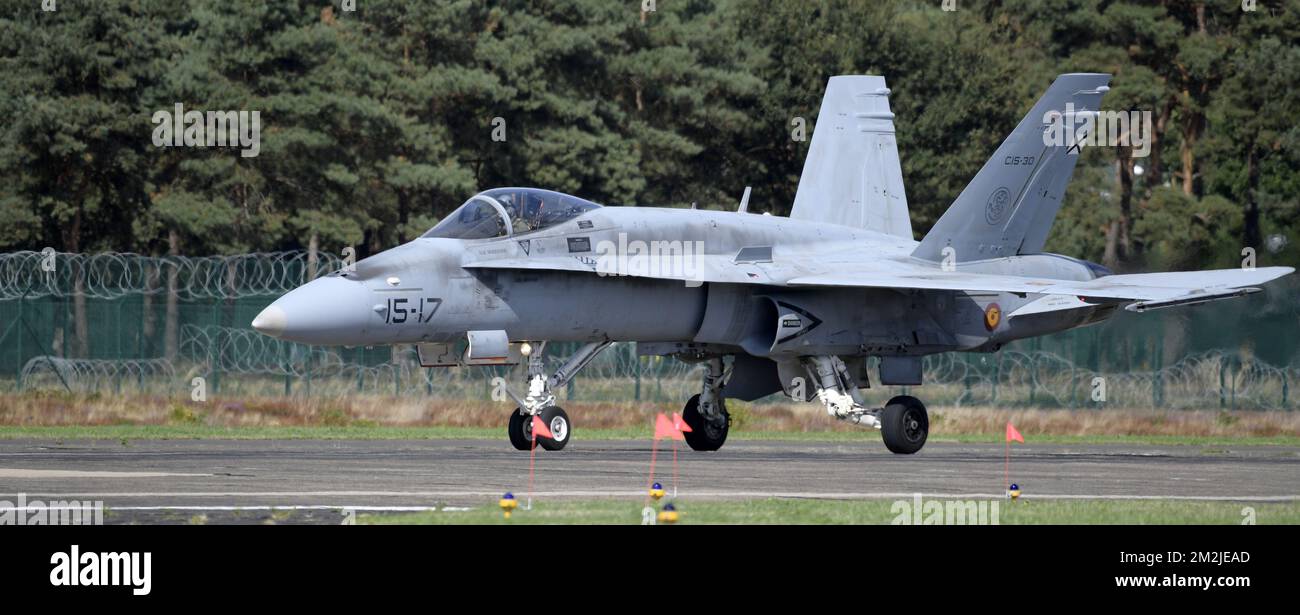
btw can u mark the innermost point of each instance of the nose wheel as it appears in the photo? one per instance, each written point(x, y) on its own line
point(515, 430)
point(520, 429)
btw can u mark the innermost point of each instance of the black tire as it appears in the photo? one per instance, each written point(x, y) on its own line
point(905, 425)
point(704, 437)
point(515, 429)
point(558, 422)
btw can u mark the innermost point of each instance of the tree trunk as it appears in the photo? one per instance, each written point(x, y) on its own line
point(1193, 127)
point(1252, 233)
point(148, 325)
point(1191, 131)
point(1111, 256)
point(1125, 177)
point(171, 341)
point(81, 328)
point(313, 256)
point(1155, 171)
point(403, 215)
point(80, 347)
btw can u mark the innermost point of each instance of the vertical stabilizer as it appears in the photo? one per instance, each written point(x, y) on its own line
point(852, 175)
point(1009, 207)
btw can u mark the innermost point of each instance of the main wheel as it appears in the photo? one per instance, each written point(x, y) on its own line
point(518, 437)
point(904, 425)
point(558, 422)
point(705, 435)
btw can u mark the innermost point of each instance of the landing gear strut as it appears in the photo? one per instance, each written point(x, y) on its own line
point(706, 413)
point(903, 422)
point(540, 400)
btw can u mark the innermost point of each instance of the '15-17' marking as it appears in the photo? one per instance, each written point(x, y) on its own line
point(397, 312)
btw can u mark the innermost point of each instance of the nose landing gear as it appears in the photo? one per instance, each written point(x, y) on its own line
point(540, 400)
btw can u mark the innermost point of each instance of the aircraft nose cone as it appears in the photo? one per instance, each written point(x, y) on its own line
point(271, 321)
point(326, 311)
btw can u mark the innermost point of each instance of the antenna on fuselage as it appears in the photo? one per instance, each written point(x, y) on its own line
point(744, 201)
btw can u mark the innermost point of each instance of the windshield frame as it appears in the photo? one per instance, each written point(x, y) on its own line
point(570, 207)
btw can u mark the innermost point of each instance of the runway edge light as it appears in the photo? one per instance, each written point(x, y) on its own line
point(508, 504)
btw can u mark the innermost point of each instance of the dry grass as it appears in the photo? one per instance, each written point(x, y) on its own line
point(1110, 422)
point(61, 409)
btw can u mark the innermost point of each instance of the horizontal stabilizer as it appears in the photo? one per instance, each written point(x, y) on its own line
point(1192, 299)
point(1156, 288)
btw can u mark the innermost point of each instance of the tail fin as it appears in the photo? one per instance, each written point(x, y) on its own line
point(1010, 205)
point(852, 175)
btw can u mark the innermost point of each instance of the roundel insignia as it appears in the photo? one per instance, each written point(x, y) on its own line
point(992, 316)
point(996, 207)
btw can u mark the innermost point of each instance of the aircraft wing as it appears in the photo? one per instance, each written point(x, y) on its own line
point(1149, 290)
point(1146, 290)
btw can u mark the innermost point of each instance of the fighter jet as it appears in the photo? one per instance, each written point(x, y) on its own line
point(768, 304)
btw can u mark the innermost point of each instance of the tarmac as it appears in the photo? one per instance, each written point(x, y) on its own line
point(320, 481)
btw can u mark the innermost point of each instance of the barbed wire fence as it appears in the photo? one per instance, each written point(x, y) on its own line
point(114, 275)
point(155, 323)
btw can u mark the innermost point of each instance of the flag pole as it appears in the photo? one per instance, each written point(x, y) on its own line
point(654, 452)
point(674, 467)
point(532, 454)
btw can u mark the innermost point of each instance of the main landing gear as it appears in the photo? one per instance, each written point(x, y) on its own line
point(706, 413)
point(540, 400)
point(903, 422)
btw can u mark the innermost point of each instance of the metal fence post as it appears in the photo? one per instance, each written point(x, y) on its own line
point(1222, 394)
point(1157, 380)
point(18, 365)
point(636, 367)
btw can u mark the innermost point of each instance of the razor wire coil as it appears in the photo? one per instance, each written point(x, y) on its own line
point(84, 375)
point(112, 275)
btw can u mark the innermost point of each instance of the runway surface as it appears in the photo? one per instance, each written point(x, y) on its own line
point(242, 480)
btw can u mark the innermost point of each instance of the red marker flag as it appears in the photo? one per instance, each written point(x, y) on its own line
point(681, 425)
point(1012, 434)
point(664, 428)
point(539, 428)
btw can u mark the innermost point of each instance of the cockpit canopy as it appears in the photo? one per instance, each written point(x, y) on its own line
point(505, 212)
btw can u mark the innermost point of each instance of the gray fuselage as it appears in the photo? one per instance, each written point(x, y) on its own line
point(430, 290)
